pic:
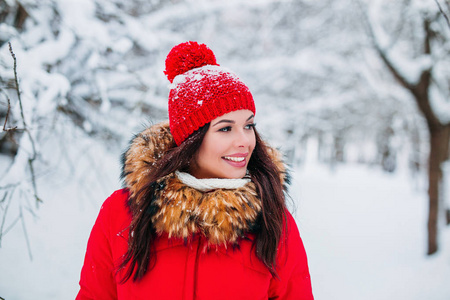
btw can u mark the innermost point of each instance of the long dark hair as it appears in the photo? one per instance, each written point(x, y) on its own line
point(141, 255)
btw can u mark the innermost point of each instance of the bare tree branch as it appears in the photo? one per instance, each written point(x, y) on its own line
point(11, 226)
point(9, 186)
point(17, 84)
point(443, 13)
point(7, 113)
point(34, 152)
point(26, 234)
point(5, 195)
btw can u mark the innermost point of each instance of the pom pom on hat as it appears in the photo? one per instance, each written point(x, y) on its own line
point(188, 56)
point(202, 91)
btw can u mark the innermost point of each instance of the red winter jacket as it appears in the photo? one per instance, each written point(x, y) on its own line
point(186, 272)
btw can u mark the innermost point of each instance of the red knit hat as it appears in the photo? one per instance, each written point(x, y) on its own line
point(201, 90)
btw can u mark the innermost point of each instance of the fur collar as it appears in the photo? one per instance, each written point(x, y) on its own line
point(222, 215)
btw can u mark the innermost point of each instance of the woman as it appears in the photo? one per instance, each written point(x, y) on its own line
point(202, 214)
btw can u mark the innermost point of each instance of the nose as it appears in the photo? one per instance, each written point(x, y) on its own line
point(242, 138)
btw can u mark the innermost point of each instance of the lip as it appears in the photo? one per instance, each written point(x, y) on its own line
point(237, 155)
point(236, 164)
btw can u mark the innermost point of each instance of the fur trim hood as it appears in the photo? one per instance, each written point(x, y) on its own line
point(222, 215)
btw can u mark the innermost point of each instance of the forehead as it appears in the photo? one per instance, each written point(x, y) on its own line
point(237, 115)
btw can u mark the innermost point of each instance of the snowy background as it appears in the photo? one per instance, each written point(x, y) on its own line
point(91, 75)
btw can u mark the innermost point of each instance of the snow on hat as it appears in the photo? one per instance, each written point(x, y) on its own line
point(200, 89)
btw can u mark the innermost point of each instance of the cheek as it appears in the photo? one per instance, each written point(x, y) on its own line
point(216, 147)
point(253, 143)
point(211, 150)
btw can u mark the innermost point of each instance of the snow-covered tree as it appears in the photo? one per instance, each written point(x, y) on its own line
point(414, 43)
point(69, 84)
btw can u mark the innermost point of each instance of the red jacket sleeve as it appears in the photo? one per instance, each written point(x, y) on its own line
point(293, 280)
point(97, 275)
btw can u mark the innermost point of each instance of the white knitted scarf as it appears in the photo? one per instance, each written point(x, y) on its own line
point(209, 184)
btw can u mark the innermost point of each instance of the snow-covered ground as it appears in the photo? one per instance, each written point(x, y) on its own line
point(364, 232)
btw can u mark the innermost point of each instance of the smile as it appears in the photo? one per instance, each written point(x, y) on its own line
point(236, 159)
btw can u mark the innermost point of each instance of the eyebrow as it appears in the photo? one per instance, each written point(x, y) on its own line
point(232, 121)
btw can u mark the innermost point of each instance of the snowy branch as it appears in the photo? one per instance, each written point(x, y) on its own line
point(407, 72)
point(416, 74)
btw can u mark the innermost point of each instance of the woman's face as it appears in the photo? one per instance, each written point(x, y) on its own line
point(227, 147)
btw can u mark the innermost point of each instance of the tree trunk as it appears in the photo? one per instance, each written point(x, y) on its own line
point(439, 140)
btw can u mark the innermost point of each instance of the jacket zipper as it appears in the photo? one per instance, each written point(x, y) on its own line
point(197, 258)
point(191, 270)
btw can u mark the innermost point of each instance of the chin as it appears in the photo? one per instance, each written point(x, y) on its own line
point(236, 175)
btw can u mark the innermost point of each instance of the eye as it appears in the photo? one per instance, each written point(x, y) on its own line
point(250, 126)
point(225, 129)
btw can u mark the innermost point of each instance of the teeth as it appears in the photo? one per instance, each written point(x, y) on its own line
point(235, 158)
